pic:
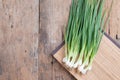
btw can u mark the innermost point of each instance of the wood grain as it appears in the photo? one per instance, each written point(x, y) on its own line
point(22, 22)
point(106, 65)
point(19, 39)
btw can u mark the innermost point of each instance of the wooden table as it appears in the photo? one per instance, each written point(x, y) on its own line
point(29, 31)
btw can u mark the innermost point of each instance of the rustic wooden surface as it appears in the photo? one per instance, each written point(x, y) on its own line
point(22, 23)
point(106, 65)
point(19, 39)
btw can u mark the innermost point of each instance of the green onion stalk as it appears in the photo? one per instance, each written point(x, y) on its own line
point(84, 31)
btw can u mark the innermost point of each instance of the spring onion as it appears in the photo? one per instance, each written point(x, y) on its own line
point(85, 28)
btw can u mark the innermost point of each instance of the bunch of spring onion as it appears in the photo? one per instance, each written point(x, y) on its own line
point(85, 28)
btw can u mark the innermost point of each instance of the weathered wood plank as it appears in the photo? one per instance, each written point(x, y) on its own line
point(19, 39)
point(53, 18)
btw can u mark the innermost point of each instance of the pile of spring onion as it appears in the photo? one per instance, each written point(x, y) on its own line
point(84, 31)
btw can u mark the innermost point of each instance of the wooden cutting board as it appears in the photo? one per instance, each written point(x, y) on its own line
point(106, 65)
